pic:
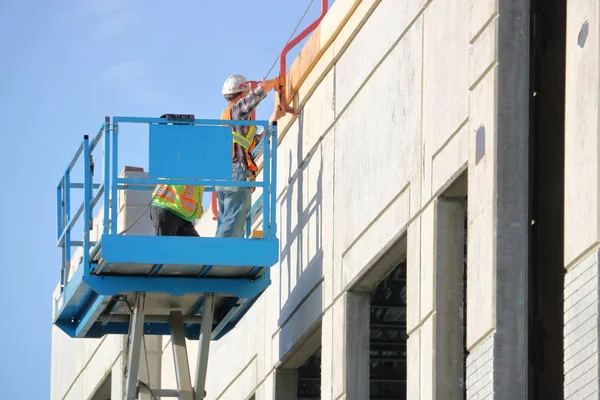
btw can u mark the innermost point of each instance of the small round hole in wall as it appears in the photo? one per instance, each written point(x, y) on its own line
point(583, 34)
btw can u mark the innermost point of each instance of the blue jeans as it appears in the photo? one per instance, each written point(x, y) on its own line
point(234, 204)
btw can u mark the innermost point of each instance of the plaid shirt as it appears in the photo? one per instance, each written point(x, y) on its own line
point(242, 110)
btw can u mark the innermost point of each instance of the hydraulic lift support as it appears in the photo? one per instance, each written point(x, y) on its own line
point(184, 390)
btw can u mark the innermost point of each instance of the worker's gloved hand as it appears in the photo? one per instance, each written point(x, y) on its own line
point(271, 84)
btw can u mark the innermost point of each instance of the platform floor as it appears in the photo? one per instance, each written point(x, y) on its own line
point(98, 301)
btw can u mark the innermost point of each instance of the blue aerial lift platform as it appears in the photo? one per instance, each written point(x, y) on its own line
point(194, 287)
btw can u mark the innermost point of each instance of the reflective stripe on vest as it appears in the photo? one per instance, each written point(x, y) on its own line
point(246, 141)
point(243, 140)
point(165, 192)
point(186, 199)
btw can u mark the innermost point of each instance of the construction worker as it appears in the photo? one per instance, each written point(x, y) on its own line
point(234, 202)
point(175, 208)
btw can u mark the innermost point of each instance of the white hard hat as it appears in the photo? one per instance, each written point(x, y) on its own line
point(235, 84)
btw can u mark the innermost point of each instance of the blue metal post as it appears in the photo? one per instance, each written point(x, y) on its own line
point(266, 183)
point(249, 224)
point(67, 217)
point(60, 224)
point(107, 188)
point(114, 183)
point(273, 232)
point(87, 199)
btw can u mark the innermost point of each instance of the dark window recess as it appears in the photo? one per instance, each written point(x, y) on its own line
point(309, 377)
point(388, 337)
point(546, 195)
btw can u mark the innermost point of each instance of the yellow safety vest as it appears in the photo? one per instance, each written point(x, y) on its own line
point(183, 200)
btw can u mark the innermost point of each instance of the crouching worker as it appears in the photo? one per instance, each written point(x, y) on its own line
point(175, 208)
point(233, 201)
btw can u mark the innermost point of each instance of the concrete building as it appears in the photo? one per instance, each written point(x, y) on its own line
point(438, 212)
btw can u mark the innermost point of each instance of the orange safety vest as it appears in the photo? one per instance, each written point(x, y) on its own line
point(247, 143)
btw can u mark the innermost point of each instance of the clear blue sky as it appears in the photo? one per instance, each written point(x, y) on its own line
point(64, 66)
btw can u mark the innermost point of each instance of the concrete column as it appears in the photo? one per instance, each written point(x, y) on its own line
point(357, 328)
point(422, 335)
point(345, 351)
point(449, 269)
point(437, 340)
point(511, 230)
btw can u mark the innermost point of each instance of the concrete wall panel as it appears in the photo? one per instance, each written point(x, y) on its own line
point(243, 385)
point(328, 359)
point(427, 355)
point(117, 378)
point(481, 11)
point(323, 167)
point(316, 116)
point(66, 365)
point(483, 53)
point(300, 323)
point(78, 372)
point(481, 187)
point(445, 95)
point(582, 176)
point(427, 260)
point(388, 22)
point(266, 390)
point(413, 357)
point(287, 157)
point(306, 229)
point(450, 160)
point(226, 369)
point(135, 220)
point(380, 125)
point(385, 230)
point(340, 332)
point(134, 197)
point(413, 275)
